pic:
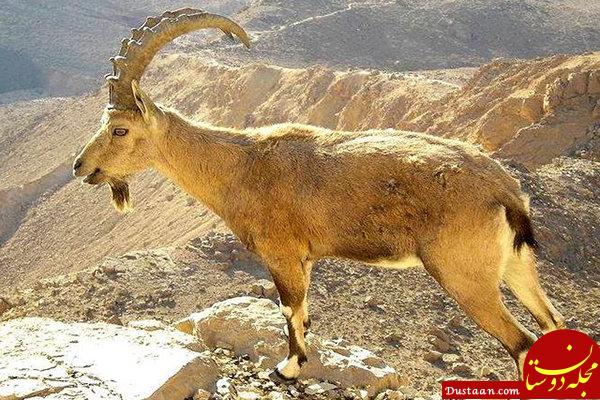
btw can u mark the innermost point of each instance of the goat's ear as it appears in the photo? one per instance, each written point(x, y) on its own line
point(149, 110)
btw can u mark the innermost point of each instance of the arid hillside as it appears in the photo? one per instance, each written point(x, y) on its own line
point(383, 34)
point(525, 112)
point(415, 35)
point(87, 33)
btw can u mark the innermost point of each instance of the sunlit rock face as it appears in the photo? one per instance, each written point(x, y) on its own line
point(255, 327)
point(147, 359)
point(44, 358)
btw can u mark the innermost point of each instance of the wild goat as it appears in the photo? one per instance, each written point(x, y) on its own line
point(295, 193)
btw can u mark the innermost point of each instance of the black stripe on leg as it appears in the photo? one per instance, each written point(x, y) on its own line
point(543, 323)
point(523, 346)
point(307, 323)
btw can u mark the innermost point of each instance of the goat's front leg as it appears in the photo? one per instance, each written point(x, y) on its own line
point(306, 269)
point(292, 283)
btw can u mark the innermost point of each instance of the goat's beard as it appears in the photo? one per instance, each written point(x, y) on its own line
point(120, 195)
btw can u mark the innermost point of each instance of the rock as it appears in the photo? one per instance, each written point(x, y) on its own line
point(115, 320)
point(451, 358)
point(221, 266)
point(440, 345)
point(223, 345)
point(440, 333)
point(373, 303)
point(248, 395)
point(408, 392)
point(394, 395)
point(185, 325)
point(147, 325)
point(40, 356)
point(485, 371)
point(395, 339)
point(107, 269)
point(5, 305)
point(449, 378)
point(594, 82)
point(219, 255)
point(432, 356)
point(319, 387)
point(577, 84)
point(254, 327)
point(461, 369)
point(532, 108)
point(224, 387)
point(265, 288)
point(554, 95)
point(251, 326)
point(455, 322)
point(596, 110)
point(276, 396)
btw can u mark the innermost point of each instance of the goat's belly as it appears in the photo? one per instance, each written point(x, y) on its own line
point(408, 261)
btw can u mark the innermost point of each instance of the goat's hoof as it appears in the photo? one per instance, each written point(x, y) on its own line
point(278, 377)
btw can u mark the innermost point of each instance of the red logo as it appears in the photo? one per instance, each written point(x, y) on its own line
point(563, 364)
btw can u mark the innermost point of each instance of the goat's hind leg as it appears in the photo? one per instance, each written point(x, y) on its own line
point(473, 281)
point(292, 285)
point(521, 276)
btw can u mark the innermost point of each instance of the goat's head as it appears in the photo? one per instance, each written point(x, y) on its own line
point(126, 141)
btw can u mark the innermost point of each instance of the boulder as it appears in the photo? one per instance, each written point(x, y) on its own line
point(246, 325)
point(254, 327)
point(594, 82)
point(5, 305)
point(265, 288)
point(44, 358)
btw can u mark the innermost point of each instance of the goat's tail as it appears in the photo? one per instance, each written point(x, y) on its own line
point(519, 220)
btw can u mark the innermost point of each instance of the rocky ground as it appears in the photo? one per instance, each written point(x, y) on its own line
point(65, 254)
point(403, 316)
point(225, 352)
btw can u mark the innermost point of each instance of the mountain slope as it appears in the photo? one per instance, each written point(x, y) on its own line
point(43, 47)
point(411, 35)
point(54, 222)
point(394, 35)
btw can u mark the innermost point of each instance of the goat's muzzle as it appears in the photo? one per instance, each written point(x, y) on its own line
point(76, 165)
point(95, 177)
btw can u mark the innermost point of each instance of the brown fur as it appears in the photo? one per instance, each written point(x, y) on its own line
point(295, 193)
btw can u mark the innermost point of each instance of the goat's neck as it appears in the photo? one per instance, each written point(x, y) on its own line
point(202, 160)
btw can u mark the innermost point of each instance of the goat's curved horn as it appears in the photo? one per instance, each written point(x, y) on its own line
point(136, 53)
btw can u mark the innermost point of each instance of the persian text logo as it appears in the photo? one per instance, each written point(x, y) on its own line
point(562, 364)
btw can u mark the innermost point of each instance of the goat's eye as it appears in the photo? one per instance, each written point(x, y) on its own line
point(120, 131)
